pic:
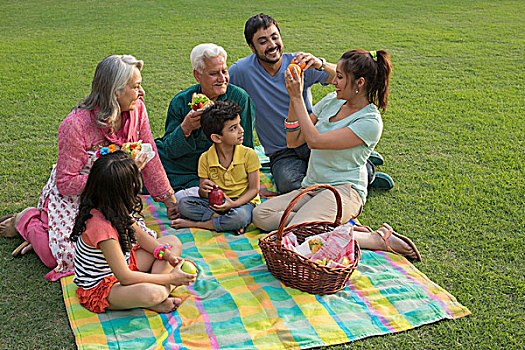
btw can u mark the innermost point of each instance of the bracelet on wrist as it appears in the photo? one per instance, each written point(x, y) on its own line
point(323, 64)
point(159, 252)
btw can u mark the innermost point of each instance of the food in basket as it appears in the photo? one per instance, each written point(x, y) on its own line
point(315, 245)
point(199, 101)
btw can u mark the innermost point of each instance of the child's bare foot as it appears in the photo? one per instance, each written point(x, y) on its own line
point(181, 223)
point(168, 305)
point(397, 243)
point(240, 231)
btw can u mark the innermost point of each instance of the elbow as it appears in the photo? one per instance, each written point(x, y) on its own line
point(126, 279)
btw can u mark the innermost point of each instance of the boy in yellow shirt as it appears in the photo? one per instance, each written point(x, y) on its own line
point(228, 165)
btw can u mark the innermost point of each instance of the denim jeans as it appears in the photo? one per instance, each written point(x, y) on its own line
point(198, 209)
point(289, 166)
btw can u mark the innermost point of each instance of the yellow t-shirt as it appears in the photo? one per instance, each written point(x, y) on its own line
point(234, 180)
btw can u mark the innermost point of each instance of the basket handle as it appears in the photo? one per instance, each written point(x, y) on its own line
point(298, 197)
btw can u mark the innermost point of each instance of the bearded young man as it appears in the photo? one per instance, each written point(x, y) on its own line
point(262, 76)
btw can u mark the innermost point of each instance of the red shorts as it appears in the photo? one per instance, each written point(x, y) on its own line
point(96, 299)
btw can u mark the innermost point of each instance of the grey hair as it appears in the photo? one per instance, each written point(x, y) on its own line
point(205, 51)
point(111, 76)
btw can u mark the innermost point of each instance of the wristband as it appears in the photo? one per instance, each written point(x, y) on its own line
point(159, 252)
point(323, 64)
point(288, 124)
point(292, 129)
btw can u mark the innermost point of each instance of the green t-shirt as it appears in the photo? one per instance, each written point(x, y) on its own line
point(180, 156)
point(336, 167)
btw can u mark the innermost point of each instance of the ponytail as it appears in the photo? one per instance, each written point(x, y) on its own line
point(375, 67)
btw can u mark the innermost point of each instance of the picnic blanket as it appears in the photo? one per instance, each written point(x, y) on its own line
point(237, 304)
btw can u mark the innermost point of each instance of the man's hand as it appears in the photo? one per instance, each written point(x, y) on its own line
point(310, 60)
point(191, 122)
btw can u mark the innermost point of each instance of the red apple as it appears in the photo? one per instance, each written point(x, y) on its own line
point(216, 196)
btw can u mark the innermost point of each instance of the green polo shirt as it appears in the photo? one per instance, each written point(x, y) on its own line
point(180, 156)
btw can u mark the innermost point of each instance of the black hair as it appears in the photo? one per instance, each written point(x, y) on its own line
point(360, 63)
point(254, 23)
point(113, 187)
point(214, 117)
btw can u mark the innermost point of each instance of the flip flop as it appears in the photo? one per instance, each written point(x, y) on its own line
point(20, 250)
point(382, 181)
point(9, 229)
point(407, 240)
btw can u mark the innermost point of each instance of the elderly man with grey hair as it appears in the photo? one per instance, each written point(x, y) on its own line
point(183, 142)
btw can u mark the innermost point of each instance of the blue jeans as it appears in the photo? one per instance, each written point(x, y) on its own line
point(289, 166)
point(198, 209)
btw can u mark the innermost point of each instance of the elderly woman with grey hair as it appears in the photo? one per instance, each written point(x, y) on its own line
point(113, 114)
point(184, 141)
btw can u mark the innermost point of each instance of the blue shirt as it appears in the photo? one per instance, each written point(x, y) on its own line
point(270, 97)
point(336, 167)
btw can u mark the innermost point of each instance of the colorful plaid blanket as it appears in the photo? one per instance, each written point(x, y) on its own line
point(237, 304)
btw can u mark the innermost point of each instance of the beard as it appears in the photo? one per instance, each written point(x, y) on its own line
point(263, 58)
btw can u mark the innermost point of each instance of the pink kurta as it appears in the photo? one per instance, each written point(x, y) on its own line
point(78, 139)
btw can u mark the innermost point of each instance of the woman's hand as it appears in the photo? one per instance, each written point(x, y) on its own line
point(172, 209)
point(141, 161)
point(294, 83)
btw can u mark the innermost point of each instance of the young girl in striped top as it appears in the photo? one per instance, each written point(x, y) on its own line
point(117, 265)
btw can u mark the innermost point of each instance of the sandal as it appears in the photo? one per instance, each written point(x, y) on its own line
point(390, 232)
point(22, 249)
point(7, 226)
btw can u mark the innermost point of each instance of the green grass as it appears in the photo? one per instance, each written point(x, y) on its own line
point(453, 134)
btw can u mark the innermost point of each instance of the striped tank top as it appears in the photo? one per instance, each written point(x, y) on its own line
point(90, 265)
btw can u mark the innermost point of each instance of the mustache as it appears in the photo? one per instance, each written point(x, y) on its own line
point(278, 47)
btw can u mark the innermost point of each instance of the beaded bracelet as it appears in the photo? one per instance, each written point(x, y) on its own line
point(159, 252)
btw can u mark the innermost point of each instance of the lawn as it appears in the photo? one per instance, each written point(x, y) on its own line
point(453, 135)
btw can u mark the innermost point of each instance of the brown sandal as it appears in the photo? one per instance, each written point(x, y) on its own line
point(407, 240)
point(8, 229)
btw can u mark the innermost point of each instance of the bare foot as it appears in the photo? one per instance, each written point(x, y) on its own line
point(181, 223)
point(398, 244)
point(267, 194)
point(240, 231)
point(168, 305)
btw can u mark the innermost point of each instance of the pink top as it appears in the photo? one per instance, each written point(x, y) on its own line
point(79, 133)
point(98, 229)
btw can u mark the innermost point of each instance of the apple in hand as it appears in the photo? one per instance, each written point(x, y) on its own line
point(188, 267)
point(216, 196)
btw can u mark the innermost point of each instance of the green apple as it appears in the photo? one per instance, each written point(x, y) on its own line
point(188, 267)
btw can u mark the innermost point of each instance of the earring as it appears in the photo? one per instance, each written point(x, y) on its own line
point(356, 92)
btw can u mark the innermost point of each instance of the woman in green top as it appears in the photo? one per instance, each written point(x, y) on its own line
point(342, 131)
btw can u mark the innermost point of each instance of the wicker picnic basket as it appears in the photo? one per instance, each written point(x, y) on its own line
point(295, 270)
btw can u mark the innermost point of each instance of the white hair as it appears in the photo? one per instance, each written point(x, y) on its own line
point(111, 76)
point(205, 51)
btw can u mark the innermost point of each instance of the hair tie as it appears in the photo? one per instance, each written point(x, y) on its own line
point(106, 150)
point(374, 55)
